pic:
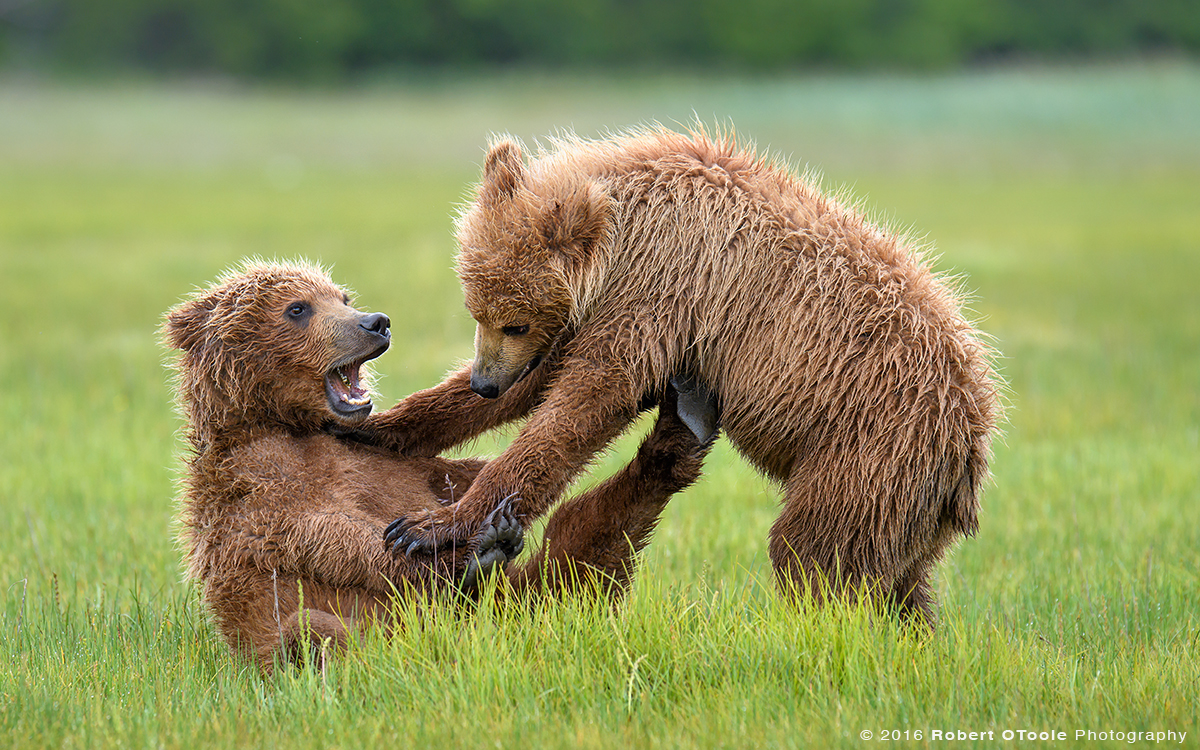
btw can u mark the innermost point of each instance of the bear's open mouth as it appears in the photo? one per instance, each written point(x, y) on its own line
point(344, 388)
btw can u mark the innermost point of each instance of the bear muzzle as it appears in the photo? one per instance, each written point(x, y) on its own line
point(345, 389)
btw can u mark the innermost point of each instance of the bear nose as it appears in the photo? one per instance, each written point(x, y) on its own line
point(483, 387)
point(376, 323)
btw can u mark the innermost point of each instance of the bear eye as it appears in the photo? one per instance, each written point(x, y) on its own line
point(297, 310)
point(514, 330)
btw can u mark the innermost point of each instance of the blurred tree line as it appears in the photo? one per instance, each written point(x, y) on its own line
point(323, 38)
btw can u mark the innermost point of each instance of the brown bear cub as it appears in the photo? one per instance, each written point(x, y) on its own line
point(277, 510)
point(843, 366)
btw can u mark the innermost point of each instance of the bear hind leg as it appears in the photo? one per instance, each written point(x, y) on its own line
point(826, 543)
point(814, 547)
point(912, 596)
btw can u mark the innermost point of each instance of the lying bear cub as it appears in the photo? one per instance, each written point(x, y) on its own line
point(275, 503)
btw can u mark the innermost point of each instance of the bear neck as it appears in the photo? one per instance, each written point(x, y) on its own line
point(217, 424)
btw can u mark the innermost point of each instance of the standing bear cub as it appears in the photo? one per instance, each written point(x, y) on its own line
point(843, 366)
point(283, 522)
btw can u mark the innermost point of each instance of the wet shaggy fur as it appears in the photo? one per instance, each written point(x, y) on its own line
point(843, 365)
point(275, 508)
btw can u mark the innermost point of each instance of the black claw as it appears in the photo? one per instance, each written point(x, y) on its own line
point(394, 532)
point(402, 536)
point(502, 533)
point(481, 564)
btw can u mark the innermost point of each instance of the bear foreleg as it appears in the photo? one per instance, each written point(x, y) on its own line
point(436, 419)
point(589, 405)
point(592, 542)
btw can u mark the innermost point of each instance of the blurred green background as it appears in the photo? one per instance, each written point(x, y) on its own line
point(322, 39)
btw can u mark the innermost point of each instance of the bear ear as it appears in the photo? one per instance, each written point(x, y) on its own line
point(185, 324)
point(503, 171)
point(574, 224)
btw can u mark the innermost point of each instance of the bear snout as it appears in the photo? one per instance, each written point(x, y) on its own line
point(376, 323)
point(484, 386)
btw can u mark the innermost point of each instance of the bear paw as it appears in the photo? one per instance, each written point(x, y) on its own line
point(424, 534)
point(500, 538)
point(498, 543)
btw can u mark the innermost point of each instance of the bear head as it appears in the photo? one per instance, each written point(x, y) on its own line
point(274, 344)
point(529, 262)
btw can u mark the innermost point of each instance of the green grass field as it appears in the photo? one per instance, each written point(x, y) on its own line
point(1068, 198)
